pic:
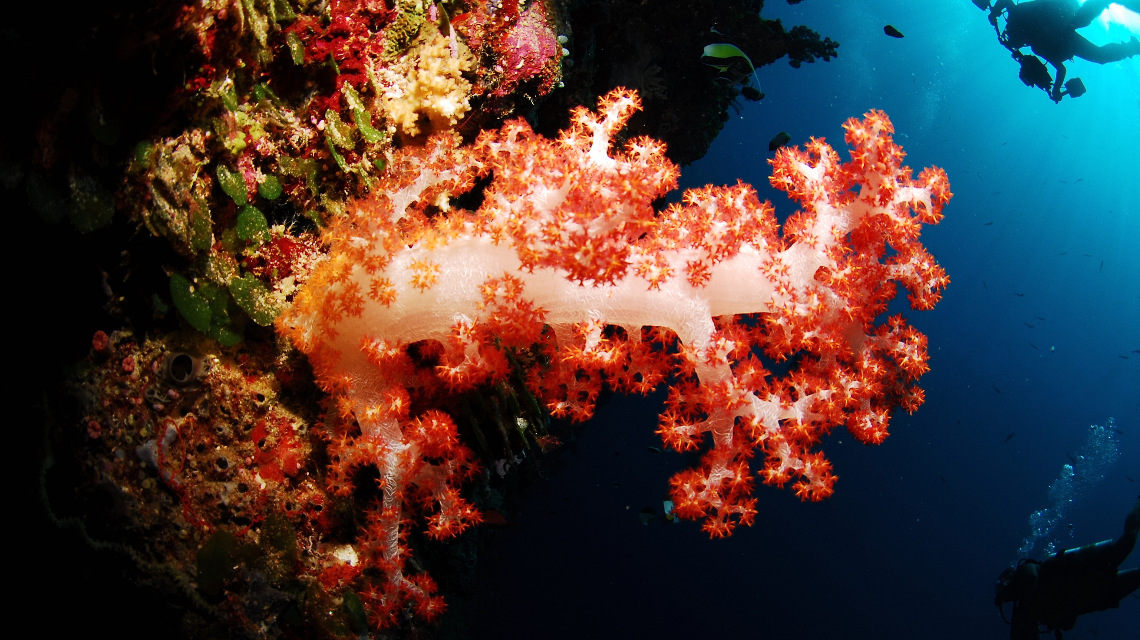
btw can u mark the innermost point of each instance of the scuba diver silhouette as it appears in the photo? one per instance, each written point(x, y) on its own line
point(1054, 591)
point(1048, 28)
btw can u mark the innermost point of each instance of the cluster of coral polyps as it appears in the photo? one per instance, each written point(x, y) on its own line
point(567, 270)
point(196, 467)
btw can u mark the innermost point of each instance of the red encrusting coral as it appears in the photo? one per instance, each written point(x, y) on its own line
point(567, 258)
point(528, 49)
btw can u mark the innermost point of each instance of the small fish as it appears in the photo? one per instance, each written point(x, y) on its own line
point(724, 56)
point(654, 449)
point(1122, 357)
point(892, 32)
point(985, 286)
point(1042, 318)
point(989, 224)
point(751, 93)
point(1009, 437)
point(1028, 325)
point(495, 519)
point(647, 515)
point(1101, 267)
point(996, 388)
point(1033, 345)
point(1019, 294)
point(779, 140)
point(548, 443)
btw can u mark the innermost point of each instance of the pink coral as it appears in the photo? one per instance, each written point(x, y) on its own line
point(529, 49)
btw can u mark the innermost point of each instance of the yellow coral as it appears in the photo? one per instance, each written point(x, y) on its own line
point(425, 91)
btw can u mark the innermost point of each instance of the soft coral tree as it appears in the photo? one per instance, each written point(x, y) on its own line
point(566, 257)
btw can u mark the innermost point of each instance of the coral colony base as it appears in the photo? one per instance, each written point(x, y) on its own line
point(566, 272)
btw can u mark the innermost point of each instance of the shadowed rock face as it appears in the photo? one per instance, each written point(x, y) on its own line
point(656, 49)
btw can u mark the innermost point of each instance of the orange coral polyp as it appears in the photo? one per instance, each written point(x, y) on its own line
point(567, 254)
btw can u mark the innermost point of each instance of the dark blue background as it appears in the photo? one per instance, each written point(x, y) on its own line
point(919, 527)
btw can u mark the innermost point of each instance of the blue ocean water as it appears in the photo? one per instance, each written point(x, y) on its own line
point(1036, 339)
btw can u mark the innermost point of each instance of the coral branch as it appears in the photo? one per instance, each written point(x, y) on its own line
point(567, 255)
